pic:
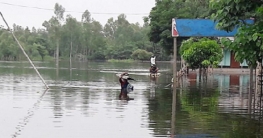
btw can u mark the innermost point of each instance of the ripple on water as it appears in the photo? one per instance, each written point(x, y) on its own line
point(88, 106)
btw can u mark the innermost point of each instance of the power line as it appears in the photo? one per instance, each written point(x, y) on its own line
point(39, 8)
point(25, 6)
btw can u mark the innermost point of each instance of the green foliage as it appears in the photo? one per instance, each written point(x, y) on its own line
point(230, 13)
point(248, 41)
point(201, 53)
point(42, 51)
point(141, 54)
point(66, 37)
point(161, 19)
point(98, 55)
point(247, 45)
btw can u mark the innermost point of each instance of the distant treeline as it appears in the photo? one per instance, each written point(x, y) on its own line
point(82, 40)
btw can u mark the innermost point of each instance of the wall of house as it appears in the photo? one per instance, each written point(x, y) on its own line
point(226, 61)
point(226, 58)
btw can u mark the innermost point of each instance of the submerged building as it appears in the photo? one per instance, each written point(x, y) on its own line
point(229, 61)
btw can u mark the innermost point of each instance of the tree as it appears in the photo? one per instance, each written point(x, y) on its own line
point(248, 40)
point(161, 19)
point(70, 37)
point(42, 51)
point(9, 49)
point(41, 45)
point(88, 38)
point(86, 17)
point(110, 29)
point(120, 35)
point(86, 35)
point(53, 26)
point(141, 54)
point(53, 34)
point(201, 53)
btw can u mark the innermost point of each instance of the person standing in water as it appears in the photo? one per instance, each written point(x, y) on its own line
point(153, 68)
point(152, 60)
point(123, 79)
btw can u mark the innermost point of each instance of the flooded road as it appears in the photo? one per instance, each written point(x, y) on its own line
point(83, 102)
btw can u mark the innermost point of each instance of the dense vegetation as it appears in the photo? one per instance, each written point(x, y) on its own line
point(85, 39)
point(161, 19)
point(228, 13)
point(119, 39)
point(248, 40)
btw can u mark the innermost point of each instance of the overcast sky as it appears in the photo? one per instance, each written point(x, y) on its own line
point(34, 12)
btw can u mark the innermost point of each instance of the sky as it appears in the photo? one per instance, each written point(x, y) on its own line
point(32, 13)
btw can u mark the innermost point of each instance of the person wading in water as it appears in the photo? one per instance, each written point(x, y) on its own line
point(123, 79)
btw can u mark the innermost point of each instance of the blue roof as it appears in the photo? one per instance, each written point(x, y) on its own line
point(201, 28)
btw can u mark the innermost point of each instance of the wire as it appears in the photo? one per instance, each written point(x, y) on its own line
point(39, 8)
point(24, 6)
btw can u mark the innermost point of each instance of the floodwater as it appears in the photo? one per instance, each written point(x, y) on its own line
point(82, 103)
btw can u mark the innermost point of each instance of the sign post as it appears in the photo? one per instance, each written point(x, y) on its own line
point(175, 35)
point(174, 87)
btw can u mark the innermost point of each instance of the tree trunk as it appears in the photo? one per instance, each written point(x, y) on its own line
point(70, 63)
point(70, 54)
point(200, 74)
point(57, 54)
point(250, 89)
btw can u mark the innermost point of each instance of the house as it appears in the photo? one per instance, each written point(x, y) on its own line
point(229, 61)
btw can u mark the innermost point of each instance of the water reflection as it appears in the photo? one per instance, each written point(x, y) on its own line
point(23, 122)
point(216, 107)
point(83, 102)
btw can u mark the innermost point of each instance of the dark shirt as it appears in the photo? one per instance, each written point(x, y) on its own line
point(124, 83)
